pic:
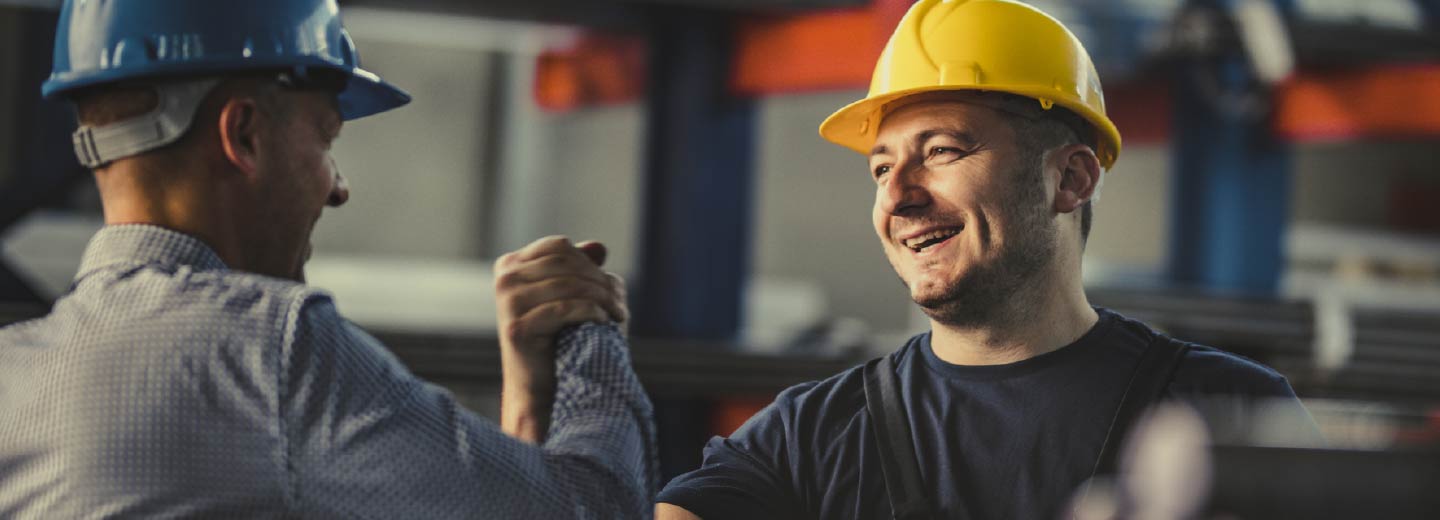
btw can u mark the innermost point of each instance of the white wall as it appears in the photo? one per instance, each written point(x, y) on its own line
point(812, 220)
point(1350, 183)
point(418, 174)
point(415, 173)
point(594, 161)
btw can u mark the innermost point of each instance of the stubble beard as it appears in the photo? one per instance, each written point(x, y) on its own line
point(1000, 291)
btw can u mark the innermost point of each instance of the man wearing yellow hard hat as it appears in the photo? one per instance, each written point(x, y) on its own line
point(987, 137)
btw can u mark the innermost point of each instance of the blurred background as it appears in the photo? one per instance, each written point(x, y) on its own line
point(1277, 194)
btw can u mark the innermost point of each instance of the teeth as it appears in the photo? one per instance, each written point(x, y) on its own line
point(919, 242)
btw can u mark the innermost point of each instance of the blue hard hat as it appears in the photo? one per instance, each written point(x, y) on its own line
point(103, 41)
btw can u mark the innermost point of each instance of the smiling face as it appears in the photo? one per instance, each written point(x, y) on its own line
point(961, 208)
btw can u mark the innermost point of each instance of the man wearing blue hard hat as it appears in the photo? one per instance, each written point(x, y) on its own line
point(190, 372)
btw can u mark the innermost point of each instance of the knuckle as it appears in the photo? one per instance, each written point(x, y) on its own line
point(553, 263)
point(596, 291)
point(504, 260)
point(574, 306)
point(583, 310)
point(507, 279)
point(557, 287)
point(514, 329)
point(554, 242)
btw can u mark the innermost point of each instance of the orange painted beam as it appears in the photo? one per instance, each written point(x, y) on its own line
point(598, 69)
point(728, 414)
point(817, 51)
point(1345, 104)
point(773, 54)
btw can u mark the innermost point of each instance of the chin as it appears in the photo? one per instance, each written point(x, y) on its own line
point(934, 281)
point(933, 294)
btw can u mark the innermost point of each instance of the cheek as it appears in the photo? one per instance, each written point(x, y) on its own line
point(317, 174)
point(880, 219)
point(877, 218)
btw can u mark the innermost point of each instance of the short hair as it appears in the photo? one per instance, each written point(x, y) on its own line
point(1039, 131)
point(108, 104)
point(100, 106)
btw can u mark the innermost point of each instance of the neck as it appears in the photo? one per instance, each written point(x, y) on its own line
point(1048, 313)
point(178, 197)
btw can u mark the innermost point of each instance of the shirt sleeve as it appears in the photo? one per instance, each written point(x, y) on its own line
point(1242, 401)
point(366, 439)
point(747, 475)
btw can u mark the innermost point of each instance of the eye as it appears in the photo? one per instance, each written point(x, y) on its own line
point(881, 170)
point(940, 151)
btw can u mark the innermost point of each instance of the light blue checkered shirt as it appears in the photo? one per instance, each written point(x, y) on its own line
point(165, 385)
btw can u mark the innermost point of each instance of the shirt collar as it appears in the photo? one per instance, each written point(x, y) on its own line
point(146, 244)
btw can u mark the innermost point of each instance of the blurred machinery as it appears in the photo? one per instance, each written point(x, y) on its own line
point(1173, 471)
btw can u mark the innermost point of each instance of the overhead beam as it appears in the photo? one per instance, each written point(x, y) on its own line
point(597, 13)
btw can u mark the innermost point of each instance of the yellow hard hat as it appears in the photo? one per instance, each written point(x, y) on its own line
point(981, 45)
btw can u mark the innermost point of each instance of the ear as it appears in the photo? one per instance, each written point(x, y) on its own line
point(1079, 175)
point(240, 133)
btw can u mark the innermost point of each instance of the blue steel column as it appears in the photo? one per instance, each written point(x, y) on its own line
point(696, 220)
point(695, 224)
point(1230, 195)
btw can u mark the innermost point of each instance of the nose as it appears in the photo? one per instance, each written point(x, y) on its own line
point(905, 193)
point(339, 189)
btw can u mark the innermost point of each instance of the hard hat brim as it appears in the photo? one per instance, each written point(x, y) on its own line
point(366, 94)
point(854, 126)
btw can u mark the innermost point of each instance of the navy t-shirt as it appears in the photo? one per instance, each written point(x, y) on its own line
point(1000, 441)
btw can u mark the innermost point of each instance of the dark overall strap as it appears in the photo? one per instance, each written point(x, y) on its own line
point(1147, 384)
point(897, 449)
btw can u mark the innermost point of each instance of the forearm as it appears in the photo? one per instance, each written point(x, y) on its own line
point(527, 398)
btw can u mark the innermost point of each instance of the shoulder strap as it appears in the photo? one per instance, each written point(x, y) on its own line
point(1147, 384)
point(892, 433)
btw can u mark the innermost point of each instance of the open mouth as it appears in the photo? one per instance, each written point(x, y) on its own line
point(931, 239)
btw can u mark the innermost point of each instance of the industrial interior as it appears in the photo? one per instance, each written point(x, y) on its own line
point(1276, 198)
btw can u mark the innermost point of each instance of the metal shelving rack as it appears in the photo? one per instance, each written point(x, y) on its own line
point(1396, 360)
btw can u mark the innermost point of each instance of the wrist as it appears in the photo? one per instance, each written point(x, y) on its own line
point(528, 423)
point(525, 408)
point(527, 391)
point(525, 376)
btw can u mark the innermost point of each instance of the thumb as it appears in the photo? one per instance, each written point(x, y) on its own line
point(594, 250)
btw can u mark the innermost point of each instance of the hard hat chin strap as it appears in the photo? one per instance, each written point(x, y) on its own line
point(171, 118)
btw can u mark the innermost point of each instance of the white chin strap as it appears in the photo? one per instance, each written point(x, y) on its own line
point(98, 146)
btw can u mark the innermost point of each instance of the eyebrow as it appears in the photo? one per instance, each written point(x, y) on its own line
point(923, 137)
point(964, 137)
